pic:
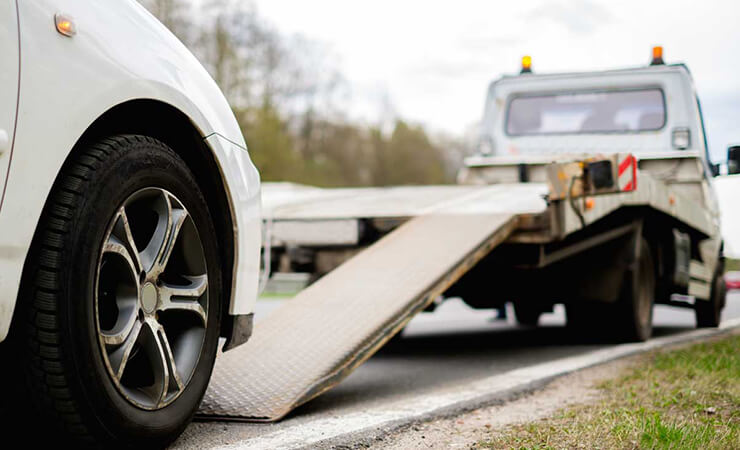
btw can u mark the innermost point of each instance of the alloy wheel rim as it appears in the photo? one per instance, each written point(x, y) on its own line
point(151, 298)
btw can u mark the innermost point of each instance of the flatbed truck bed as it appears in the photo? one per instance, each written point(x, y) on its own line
point(427, 239)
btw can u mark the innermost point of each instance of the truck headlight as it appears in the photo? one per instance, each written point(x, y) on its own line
point(486, 146)
point(681, 138)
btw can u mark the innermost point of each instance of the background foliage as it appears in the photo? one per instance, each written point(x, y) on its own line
point(285, 92)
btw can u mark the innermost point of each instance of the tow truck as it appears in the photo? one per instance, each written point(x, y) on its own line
point(593, 190)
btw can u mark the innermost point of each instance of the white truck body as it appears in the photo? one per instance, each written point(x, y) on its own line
point(662, 129)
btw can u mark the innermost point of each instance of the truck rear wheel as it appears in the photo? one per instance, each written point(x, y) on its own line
point(586, 318)
point(709, 313)
point(120, 306)
point(637, 294)
point(528, 315)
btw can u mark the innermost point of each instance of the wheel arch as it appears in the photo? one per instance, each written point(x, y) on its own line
point(168, 124)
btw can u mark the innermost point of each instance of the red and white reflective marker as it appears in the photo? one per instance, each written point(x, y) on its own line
point(627, 173)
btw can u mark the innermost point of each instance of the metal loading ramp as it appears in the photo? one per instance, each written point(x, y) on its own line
point(315, 340)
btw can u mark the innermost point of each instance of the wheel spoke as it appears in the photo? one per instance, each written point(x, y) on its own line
point(122, 229)
point(158, 360)
point(159, 249)
point(119, 357)
point(170, 358)
point(121, 333)
point(115, 245)
point(185, 298)
point(177, 217)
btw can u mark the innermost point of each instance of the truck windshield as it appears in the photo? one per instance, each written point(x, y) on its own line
point(617, 111)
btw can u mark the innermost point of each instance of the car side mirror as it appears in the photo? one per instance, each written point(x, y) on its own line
point(733, 160)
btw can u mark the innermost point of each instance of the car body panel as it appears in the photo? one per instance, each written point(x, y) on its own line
point(119, 53)
point(9, 73)
point(247, 216)
point(8, 103)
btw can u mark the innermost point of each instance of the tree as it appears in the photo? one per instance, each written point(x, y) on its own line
point(285, 91)
point(175, 15)
point(270, 145)
point(409, 157)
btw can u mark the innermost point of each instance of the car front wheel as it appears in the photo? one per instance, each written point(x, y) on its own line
point(121, 296)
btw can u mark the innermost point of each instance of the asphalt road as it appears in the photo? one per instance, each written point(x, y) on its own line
point(451, 346)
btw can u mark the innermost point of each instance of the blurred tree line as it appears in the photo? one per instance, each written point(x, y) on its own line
point(286, 95)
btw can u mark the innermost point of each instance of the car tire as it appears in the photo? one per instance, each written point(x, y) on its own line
point(636, 298)
point(121, 298)
point(709, 313)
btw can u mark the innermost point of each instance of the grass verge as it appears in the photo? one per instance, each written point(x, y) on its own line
point(732, 264)
point(681, 399)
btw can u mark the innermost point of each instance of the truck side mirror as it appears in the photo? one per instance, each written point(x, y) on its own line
point(733, 160)
point(715, 169)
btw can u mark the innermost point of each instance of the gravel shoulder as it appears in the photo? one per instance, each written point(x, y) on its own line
point(616, 401)
point(466, 430)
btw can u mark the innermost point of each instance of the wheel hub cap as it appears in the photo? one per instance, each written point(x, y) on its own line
point(149, 298)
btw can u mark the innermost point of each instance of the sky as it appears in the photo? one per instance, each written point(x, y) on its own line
point(432, 60)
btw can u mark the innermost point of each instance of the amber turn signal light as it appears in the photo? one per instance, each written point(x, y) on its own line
point(65, 25)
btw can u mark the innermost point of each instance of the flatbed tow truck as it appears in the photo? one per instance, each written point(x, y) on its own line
point(590, 189)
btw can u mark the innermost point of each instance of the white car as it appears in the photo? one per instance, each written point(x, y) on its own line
point(129, 222)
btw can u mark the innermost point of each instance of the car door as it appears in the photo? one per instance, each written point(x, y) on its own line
point(9, 73)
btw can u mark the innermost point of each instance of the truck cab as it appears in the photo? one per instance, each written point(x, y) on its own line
point(652, 112)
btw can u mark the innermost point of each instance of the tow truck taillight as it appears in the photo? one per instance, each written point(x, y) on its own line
point(593, 176)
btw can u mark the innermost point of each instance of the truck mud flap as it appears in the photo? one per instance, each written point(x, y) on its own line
point(312, 342)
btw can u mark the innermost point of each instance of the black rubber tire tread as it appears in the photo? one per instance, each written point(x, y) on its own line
point(628, 327)
point(47, 385)
point(37, 334)
point(709, 313)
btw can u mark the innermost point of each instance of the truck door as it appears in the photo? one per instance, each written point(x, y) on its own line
point(9, 73)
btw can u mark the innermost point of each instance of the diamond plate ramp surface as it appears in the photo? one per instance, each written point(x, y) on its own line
point(313, 341)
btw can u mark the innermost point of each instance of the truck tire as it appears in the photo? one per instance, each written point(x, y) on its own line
point(709, 313)
point(120, 304)
point(586, 318)
point(528, 315)
point(636, 298)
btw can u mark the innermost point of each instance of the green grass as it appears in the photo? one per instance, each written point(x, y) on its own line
point(732, 264)
point(681, 399)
